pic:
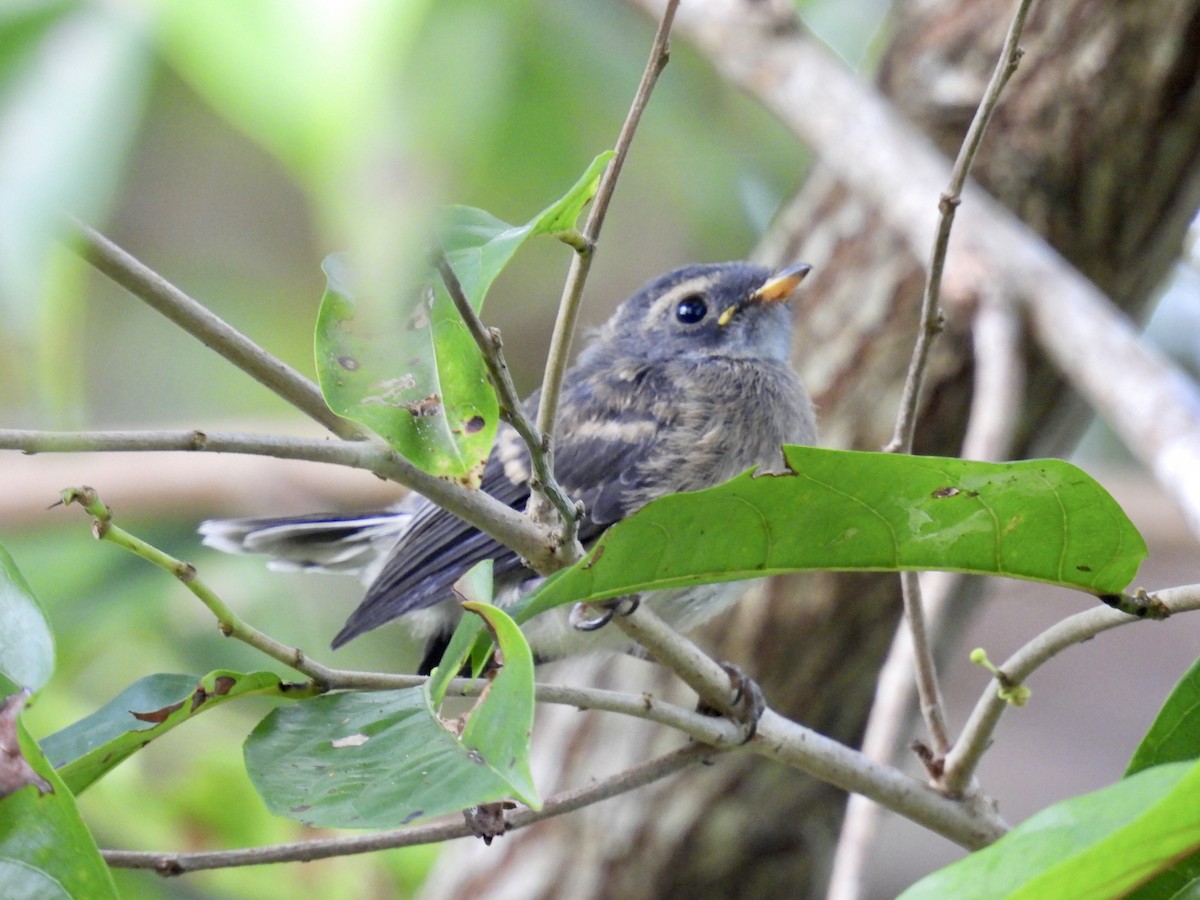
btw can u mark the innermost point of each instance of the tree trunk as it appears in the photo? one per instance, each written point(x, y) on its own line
point(1095, 145)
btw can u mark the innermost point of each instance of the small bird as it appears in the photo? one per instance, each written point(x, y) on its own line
point(687, 385)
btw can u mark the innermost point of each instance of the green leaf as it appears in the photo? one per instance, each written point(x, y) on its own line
point(45, 849)
point(379, 760)
point(26, 643)
point(1175, 734)
point(1042, 520)
point(147, 709)
point(1098, 845)
point(500, 727)
point(365, 760)
point(414, 375)
point(1174, 737)
point(476, 585)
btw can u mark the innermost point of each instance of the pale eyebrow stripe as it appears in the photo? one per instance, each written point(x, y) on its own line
point(696, 285)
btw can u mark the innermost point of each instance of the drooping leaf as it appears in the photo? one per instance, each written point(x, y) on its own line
point(365, 760)
point(476, 585)
point(45, 849)
point(147, 709)
point(1174, 737)
point(500, 727)
point(26, 643)
point(415, 375)
point(1043, 520)
point(384, 759)
point(1098, 845)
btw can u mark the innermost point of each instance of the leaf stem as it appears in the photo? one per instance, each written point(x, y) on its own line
point(479, 509)
point(202, 324)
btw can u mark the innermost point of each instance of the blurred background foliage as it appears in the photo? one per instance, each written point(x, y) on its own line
point(231, 145)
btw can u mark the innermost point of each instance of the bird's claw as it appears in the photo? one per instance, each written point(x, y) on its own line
point(748, 702)
point(581, 617)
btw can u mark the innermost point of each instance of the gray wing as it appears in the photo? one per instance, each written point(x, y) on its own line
point(604, 440)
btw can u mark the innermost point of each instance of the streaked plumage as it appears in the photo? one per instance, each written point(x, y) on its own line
point(687, 385)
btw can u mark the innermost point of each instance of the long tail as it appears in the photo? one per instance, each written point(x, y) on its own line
point(323, 542)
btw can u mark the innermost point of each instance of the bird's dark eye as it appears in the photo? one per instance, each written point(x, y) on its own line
point(691, 309)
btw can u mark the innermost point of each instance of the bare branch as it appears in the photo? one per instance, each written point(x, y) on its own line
point(963, 759)
point(970, 823)
point(479, 509)
point(931, 314)
point(167, 863)
point(925, 668)
point(202, 324)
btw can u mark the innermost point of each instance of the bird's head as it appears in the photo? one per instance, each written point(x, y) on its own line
point(735, 309)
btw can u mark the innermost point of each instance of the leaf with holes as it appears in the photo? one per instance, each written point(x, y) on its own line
point(408, 368)
point(150, 707)
point(384, 759)
point(1042, 520)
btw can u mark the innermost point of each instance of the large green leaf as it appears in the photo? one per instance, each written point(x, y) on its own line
point(379, 760)
point(1043, 520)
point(26, 643)
point(45, 849)
point(147, 709)
point(365, 760)
point(413, 374)
point(1174, 737)
point(1099, 845)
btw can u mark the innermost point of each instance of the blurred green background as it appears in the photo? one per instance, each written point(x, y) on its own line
point(230, 145)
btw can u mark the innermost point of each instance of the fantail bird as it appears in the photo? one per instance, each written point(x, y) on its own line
point(687, 385)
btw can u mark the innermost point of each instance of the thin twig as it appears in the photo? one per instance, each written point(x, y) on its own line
point(228, 622)
point(964, 758)
point(928, 690)
point(581, 262)
point(543, 481)
point(713, 732)
point(202, 324)
point(484, 512)
point(167, 863)
point(999, 374)
point(931, 315)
